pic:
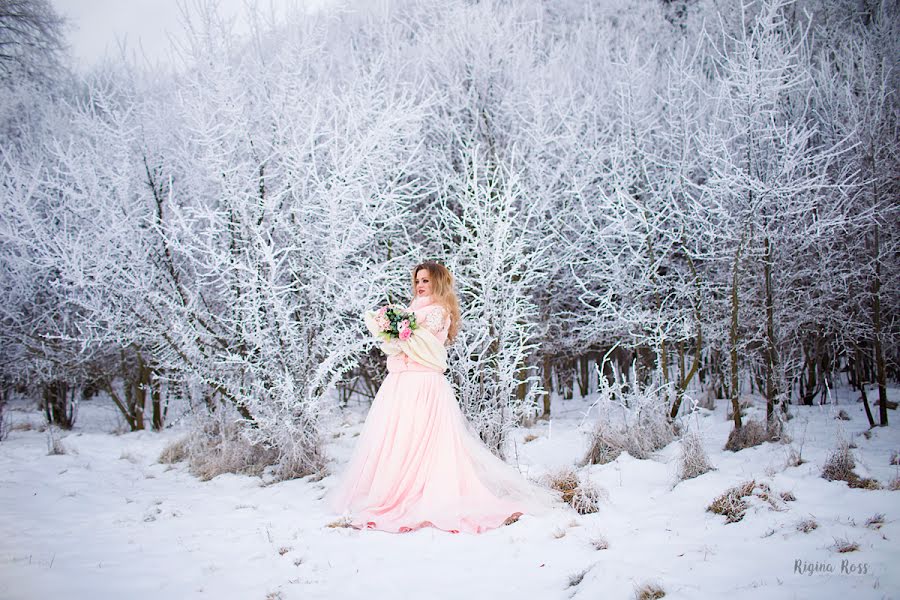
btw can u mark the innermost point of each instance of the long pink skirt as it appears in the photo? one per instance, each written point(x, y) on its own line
point(417, 463)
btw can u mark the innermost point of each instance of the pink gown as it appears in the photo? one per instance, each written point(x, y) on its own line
point(417, 462)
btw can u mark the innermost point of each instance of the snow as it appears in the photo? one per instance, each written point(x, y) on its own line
point(106, 520)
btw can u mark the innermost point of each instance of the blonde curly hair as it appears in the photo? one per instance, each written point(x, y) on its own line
point(442, 291)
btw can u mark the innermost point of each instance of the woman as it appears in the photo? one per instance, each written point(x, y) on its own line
point(417, 463)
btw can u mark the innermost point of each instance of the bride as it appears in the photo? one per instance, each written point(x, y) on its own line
point(417, 462)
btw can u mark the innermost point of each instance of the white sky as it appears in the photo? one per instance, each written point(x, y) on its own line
point(146, 26)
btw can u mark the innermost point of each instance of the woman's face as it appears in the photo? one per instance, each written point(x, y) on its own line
point(423, 283)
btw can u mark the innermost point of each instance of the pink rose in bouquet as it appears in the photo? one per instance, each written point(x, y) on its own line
point(403, 330)
point(393, 322)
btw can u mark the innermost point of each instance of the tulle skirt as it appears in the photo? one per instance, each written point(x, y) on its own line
point(418, 463)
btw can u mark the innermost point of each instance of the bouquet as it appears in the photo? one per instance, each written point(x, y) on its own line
point(395, 326)
point(392, 322)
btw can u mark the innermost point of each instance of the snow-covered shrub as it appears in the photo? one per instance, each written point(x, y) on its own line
point(217, 445)
point(630, 419)
point(497, 267)
point(843, 545)
point(876, 521)
point(693, 460)
point(175, 451)
point(55, 444)
point(583, 496)
point(607, 443)
point(649, 591)
point(576, 578)
point(586, 499)
point(599, 542)
point(733, 504)
point(807, 525)
point(840, 467)
point(752, 432)
point(342, 522)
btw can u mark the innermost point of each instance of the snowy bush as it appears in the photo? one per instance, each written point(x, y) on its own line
point(630, 419)
point(755, 432)
point(496, 271)
point(583, 496)
point(841, 466)
point(735, 502)
point(807, 525)
point(649, 591)
point(218, 446)
point(693, 460)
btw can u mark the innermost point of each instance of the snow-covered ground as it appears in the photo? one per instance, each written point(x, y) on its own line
point(106, 520)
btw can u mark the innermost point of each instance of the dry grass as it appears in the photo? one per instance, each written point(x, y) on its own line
point(23, 426)
point(840, 464)
point(587, 499)
point(732, 504)
point(843, 545)
point(583, 496)
point(339, 523)
point(218, 446)
point(55, 447)
point(795, 458)
point(175, 451)
point(895, 457)
point(840, 467)
point(641, 438)
point(576, 578)
point(807, 525)
point(753, 433)
point(599, 542)
point(693, 461)
point(894, 484)
point(649, 591)
point(788, 497)
point(875, 521)
point(530, 438)
point(635, 421)
point(842, 415)
point(606, 445)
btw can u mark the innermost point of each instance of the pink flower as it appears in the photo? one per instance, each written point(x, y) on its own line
point(403, 329)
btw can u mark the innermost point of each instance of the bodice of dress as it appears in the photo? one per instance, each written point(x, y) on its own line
point(433, 317)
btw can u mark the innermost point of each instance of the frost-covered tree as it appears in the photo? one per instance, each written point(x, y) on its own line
point(767, 175)
point(497, 270)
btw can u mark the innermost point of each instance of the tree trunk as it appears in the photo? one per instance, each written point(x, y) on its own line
point(771, 352)
point(733, 337)
point(548, 385)
point(59, 405)
point(876, 318)
point(862, 384)
point(685, 379)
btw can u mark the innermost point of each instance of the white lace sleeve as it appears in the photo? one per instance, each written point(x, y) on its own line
point(436, 319)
